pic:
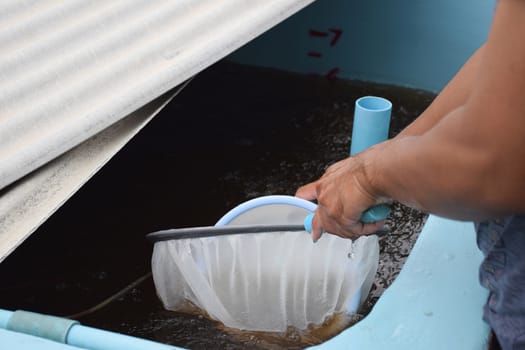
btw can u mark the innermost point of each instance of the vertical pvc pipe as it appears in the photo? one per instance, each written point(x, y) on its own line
point(371, 125)
point(371, 122)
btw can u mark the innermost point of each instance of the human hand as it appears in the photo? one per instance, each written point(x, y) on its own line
point(343, 193)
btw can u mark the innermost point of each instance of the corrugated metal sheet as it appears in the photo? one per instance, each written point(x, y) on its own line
point(70, 69)
point(24, 207)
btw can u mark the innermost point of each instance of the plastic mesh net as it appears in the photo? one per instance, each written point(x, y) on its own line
point(266, 281)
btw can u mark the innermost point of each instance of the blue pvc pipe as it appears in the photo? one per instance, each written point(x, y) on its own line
point(10, 340)
point(371, 126)
point(87, 337)
point(371, 122)
point(97, 339)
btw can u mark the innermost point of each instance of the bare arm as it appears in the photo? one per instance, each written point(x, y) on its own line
point(469, 165)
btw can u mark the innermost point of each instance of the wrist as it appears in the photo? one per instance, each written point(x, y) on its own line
point(370, 177)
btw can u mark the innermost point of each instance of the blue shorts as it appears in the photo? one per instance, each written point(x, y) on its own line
point(502, 272)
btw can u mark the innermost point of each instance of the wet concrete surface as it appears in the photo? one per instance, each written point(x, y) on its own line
point(233, 134)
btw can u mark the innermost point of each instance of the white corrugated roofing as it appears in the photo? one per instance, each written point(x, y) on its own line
point(70, 69)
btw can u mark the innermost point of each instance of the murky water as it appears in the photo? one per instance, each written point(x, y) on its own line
point(235, 133)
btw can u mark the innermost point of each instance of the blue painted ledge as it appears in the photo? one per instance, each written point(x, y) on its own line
point(435, 303)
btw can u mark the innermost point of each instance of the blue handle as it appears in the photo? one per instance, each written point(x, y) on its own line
point(308, 222)
point(377, 213)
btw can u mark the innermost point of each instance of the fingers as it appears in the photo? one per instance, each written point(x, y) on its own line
point(352, 229)
point(308, 191)
point(317, 228)
point(357, 230)
point(341, 200)
point(373, 227)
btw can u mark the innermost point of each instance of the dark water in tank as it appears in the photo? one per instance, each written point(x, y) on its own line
point(233, 134)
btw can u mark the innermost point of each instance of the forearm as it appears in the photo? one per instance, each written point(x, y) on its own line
point(454, 95)
point(444, 177)
point(441, 172)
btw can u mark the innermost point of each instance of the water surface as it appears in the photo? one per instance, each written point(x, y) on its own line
point(233, 134)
